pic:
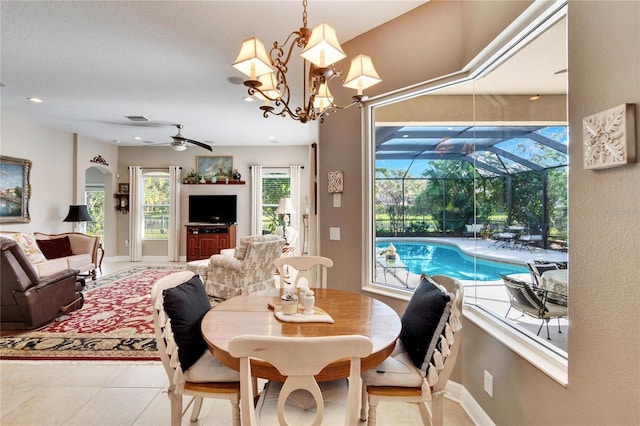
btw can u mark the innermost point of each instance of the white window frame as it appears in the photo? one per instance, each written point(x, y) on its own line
point(147, 175)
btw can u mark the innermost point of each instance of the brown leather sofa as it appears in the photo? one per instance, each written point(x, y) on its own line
point(29, 301)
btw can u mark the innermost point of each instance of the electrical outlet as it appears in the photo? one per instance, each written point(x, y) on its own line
point(488, 383)
point(126, 243)
point(334, 233)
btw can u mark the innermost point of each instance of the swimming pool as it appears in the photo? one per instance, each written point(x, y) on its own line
point(432, 259)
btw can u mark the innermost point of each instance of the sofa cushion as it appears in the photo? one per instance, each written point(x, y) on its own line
point(50, 267)
point(28, 244)
point(80, 261)
point(55, 248)
point(186, 304)
point(423, 321)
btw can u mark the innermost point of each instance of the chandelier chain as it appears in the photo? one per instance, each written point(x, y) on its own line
point(304, 13)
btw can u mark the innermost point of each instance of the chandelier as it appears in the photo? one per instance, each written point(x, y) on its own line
point(320, 51)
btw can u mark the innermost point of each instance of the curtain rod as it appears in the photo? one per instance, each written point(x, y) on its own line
point(154, 168)
point(275, 167)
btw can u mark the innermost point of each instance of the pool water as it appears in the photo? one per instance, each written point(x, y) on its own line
point(434, 259)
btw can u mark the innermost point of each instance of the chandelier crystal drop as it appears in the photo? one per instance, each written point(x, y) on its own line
point(321, 49)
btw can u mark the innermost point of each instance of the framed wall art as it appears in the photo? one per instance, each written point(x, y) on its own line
point(15, 189)
point(214, 166)
point(123, 188)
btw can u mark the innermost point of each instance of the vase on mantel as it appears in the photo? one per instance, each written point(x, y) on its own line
point(236, 175)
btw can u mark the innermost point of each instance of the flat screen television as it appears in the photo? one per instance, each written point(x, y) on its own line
point(213, 209)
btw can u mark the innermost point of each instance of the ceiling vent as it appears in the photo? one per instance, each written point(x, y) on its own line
point(137, 118)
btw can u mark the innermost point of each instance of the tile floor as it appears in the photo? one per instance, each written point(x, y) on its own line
point(127, 393)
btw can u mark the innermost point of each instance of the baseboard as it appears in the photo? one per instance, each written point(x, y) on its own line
point(458, 393)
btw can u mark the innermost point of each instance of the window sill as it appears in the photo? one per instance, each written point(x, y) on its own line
point(548, 361)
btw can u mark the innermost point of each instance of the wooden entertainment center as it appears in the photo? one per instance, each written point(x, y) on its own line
point(203, 241)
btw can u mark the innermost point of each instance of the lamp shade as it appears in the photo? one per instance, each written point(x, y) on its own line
point(253, 60)
point(269, 87)
point(323, 47)
point(178, 146)
point(324, 98)
point(285, 206)
point(78, 213)
point(361, 74)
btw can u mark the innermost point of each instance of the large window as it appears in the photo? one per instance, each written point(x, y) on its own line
point(156, 205)
point(469, 179)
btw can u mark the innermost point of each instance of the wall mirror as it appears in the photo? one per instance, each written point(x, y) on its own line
point(469, 179)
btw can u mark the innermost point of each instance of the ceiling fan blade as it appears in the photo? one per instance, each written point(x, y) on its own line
point(200, 144)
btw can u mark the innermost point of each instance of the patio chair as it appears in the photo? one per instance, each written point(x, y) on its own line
point(534, 302)
point(419, 367)
point(300, 399)
point(537, 269)
point(531, 238)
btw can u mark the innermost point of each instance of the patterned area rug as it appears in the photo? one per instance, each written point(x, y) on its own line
point(115, 323)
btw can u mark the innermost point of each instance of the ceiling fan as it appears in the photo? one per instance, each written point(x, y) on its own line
point(180, 142)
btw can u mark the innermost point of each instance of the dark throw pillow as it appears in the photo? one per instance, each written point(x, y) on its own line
point(186, 304)
point(55, 248)
point(423, 321)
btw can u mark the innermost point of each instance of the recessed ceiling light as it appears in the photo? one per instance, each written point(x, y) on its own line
point(534, 98)
point(138, 138)
point(35, 100)
point(248, 99)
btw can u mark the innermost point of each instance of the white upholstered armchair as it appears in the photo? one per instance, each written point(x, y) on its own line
point(249, 269)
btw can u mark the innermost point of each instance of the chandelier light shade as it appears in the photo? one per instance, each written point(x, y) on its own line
point(321, 49)
point(253, 60)
point(269, 86)
point(362, 74)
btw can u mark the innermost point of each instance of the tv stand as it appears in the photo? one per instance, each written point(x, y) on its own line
point(203, 241)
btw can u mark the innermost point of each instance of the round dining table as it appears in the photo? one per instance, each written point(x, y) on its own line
point(254, 315)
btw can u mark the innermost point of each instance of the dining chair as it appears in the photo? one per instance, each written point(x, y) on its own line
point(535, 302)
point(300, 399)
point(178, 300)
point(307, 267)
point(419, 367)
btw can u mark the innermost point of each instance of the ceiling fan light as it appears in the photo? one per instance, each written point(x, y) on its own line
point(178, 147)
point(323, 47)
point(269, 87)
point(253, 60)
point(362, 74)
point(324, 98)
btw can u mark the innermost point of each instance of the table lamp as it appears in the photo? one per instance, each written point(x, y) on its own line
point(78, 214)
point(285, 208)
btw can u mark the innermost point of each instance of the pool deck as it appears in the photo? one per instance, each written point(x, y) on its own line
point(492, 293)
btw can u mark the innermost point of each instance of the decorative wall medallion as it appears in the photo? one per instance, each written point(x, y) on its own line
point(335, 182)
point(609, 138)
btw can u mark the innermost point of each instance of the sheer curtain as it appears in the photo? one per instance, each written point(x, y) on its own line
point(136, 213)
point(295, 194)
point(256, 200)
point(174, 213)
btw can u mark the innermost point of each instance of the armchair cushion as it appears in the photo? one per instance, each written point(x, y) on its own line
point(423, 322)
point(185, 305)
point(55, 247)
